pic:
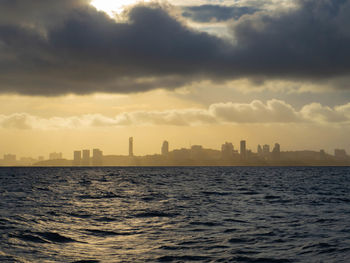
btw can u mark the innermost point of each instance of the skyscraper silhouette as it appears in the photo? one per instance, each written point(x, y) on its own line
point(86, 157)
point(243, 150)
point(131, 146)
point(77, 157)
point(97, 157)
point(165, 148)
point(276, 152)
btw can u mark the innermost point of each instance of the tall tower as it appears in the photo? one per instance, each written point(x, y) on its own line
point(227, 150)
point(86, 158)
point(97, 157)
point(77, 158)
point(276, 152)
point(131, 146)
point(165, 148)
point(243, 149)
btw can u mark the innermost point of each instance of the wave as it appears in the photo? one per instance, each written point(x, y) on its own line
point(153, 214)
point(101, 196)
point(55, 237)
point(205, 224)
point(79, 215)
point(216, 193)
point(182, 258)
point(260, 260)
point(42, 237)
point(242, 241)
point(86, 261)
point(29, 237)
point(105, 219)
point(103, 233)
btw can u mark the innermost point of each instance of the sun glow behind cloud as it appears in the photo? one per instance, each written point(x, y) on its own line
point(112, 7)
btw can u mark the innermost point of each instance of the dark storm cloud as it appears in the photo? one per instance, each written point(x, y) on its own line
point(309, 42)
point(208, 13)
point(89, 52)
point(69, 47)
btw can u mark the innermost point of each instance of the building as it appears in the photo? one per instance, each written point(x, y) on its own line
point(165, 148)
point(10, 159)
point(197, 152)
point(77, 158)
point(266, 150)
point(86, 158)
point(243, 150)
point(276, 152)
point(97, 157)
point(340, 154)
point(227, 150)
point(55, 156)
point(131, 146)
point(260, 150)
point(181, 154)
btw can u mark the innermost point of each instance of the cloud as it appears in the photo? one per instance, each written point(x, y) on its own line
point(319, 113)
point(17, 121)
point(209, 13)
point(275, 111)
point(51, 48)
point(256, 112)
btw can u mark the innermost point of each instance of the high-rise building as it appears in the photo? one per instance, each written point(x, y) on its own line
point(86, 158)
point(131, 146)
point(165, 148)
point(97, 157)
point(260, 150)
point(243, 149)
point(277, 148)
point(276, 152)
point(227, 150)
point(77, 158)
point(266, 149)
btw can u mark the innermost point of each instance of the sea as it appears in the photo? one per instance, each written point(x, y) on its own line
point(175, 214)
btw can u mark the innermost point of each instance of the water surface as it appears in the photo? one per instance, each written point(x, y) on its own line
point(175, 214)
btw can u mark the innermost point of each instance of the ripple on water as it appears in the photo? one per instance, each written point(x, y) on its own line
point(233, 214)
point(260, 260)
point(104, 233)
point(86, 261)
point(154, 214)
point(182, 258)
point(42, 237)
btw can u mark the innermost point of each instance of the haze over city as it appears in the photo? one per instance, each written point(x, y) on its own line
point(88, 74)
point(195, 155)
point(174, 131)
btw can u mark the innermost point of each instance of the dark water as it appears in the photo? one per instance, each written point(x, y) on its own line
point(175, 215)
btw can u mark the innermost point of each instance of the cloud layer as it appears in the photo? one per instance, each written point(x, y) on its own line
point(274, 111)
point(50, 47)
point(216, 13)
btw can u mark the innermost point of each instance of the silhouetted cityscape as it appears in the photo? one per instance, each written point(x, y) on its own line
point(196, 155)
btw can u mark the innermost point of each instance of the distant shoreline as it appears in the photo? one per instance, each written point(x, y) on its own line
point(180, 166)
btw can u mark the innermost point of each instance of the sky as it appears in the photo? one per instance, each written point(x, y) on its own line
point(81, 74)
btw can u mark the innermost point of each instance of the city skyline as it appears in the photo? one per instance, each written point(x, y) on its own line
point(88, 74)
point(228, 152)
